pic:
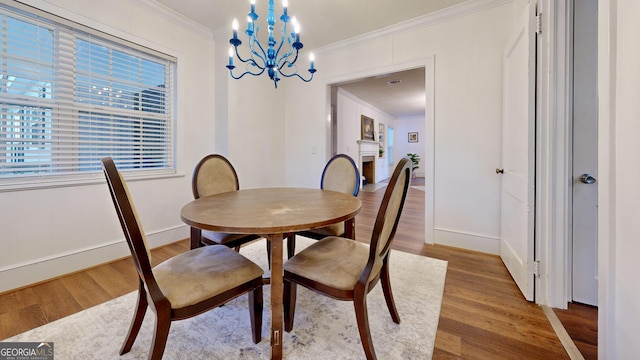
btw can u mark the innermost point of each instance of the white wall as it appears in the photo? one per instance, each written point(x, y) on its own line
point(468, 78)
point(49, 232)
point(276, 137)
point(402, 127)
point(619, 194)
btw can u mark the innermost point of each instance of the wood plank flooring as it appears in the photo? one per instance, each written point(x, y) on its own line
point(483, 314)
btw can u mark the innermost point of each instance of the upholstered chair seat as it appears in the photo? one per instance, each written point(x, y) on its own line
point(218, 267)
point(330, 230)
point(333, 261)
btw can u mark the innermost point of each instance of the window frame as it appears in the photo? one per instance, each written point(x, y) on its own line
point(78, 177)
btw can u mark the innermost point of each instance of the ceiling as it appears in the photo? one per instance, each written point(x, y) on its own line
point(325, 22)
point(399, 94)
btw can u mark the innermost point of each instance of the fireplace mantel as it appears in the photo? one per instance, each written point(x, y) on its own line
point(367, 152)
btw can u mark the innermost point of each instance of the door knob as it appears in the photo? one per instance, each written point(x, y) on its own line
point(499, 171)
point(587, 178)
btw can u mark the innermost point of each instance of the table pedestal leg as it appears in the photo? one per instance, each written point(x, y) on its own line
point(196, 238)
point(350, 228)
point(276, 295)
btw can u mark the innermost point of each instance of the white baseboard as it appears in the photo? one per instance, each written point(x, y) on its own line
point(39, 270)
point(465, 240)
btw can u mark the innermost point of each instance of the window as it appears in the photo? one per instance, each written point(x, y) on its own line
point(70, 95)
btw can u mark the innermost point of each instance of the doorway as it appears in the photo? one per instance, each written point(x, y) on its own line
point(584, 239)
point(392, 100)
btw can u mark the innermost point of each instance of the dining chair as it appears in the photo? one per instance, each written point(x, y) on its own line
point(345, 269)
point(214, 174)
point(339, 174)
point(185, 285)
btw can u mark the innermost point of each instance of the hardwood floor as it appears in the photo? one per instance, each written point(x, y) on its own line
point(483, 314)
point(581, 323)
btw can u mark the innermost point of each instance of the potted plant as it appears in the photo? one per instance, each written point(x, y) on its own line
point(415, 160)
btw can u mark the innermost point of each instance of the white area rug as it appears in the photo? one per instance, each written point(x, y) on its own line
point(323, 328)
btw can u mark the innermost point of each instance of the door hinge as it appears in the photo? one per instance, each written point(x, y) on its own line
point(536, 268)
point(539, 23)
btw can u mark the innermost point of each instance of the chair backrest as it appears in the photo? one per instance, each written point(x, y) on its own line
point(341, 174)
point(128, 217)
point(214, 174)
point(388, 217)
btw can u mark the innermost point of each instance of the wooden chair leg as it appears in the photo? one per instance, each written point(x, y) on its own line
point(360, 304)
point(136, 322)
point(388, 295)
point(269, 253)
point(289, 306)
point(291, 245)
point(255, 313)
point(160, 334)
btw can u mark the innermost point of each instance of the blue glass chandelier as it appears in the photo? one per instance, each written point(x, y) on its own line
point(278, 59)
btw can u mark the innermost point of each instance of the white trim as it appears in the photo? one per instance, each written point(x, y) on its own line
point(467, 240)
point(429, 142)
point(569, 346)
point(45, 268)
point(429, 19)
point(91, 23)
point(429, 161)
point(152, 6)
point(607, 237)
point(173, 16)
point(553, 185)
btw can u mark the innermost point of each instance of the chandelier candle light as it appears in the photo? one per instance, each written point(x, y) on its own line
point(271, 60)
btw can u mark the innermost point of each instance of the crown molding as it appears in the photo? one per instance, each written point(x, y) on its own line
point(150, 5)
point(171, 15)
point(430, 19)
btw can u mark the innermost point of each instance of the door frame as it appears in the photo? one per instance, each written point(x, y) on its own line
point(553, 165)
point(428, 161)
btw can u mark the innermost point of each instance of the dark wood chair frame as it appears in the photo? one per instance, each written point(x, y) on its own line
point(160, 305)
point(291, 239)
point(359, 293)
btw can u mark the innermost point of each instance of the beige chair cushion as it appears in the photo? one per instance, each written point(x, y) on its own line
point(331, 230)
point(221, 238)
point(333, 261)
point(215, 177)
point(340, 176)
point(199, 274)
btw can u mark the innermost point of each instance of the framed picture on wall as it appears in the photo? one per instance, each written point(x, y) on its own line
point(413, 137)
point(366, 129)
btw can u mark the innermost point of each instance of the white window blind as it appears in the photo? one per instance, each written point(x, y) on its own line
point(69, 97)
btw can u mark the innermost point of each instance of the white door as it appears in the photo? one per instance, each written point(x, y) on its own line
point(518, 155)
point(585, 153)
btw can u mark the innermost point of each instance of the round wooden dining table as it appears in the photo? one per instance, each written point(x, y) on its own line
point(272, 213)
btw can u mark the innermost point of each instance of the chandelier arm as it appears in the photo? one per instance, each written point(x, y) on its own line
point(298, 75)
point(250, 60)
point(262, 55)
point(282, 41)
point(284, 60)
point(245, 73)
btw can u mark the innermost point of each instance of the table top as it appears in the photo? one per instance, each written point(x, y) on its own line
point(270, 210)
